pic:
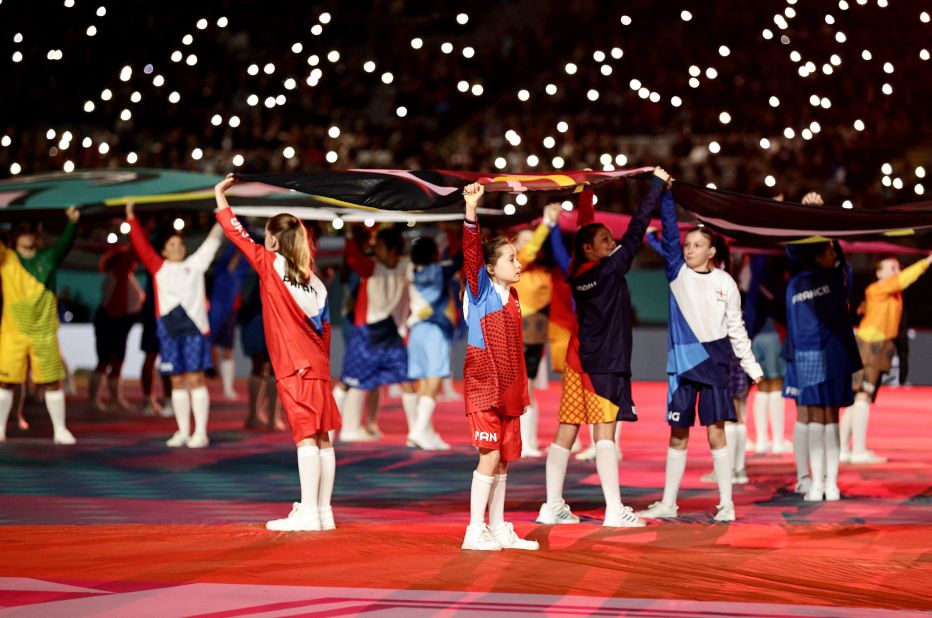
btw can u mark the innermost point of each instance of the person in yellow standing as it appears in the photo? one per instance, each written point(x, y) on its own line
point(876, 335)
point(29, 324)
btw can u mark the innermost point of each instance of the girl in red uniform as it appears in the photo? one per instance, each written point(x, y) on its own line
point(494, 376)
point(296, 317)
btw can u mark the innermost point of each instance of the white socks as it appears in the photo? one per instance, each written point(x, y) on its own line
point(723, 464)
point(606, 463)
point(352, 410)
point(731, 440)
point(227, 371)
point(55, 402)
point(328, 471)
point(479, 497)
point(776, 408)
point(309, 474)
point(801, 449)
point(497, 500)
point(761, 406)
point(181, 405)
point(6, 404)
point(676, 466)
point(831, 455)
point(529, 427)
point(200, 407)
point(409, 404)
point(423, 414)
point(339, 394)
point(557, 459)
point(816, 433)
point(860, 412)
point(741, 446)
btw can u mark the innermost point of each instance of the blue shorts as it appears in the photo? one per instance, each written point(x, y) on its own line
point(366, 366)
point(714, 403)
point(428, 352)
point(766, 347)
point(182, 354)
point(831, 393)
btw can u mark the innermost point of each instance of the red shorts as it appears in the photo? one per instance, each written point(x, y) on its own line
point(308, 404)
point(493, 431)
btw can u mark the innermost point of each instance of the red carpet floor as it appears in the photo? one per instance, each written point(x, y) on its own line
point(120, 525)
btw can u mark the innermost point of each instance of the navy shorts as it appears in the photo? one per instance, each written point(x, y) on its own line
point(714, 403)
point(183, 354)
point(222, 332)
point(368, 366)
point(616, 387)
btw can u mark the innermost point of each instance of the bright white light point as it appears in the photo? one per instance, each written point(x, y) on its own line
point(468, 52)
point(191, 60)
point(605, 159)
point(803, 71)
point(178, 224)
point(635, 84)
point(676, 101)
point(620, 159)
point(462, 19)
point(324, 18)
point(477, 89)
point(617, 53)
point(829, 20)
point(826, 103)
point(795, 56)
point(15, 168)
point(216, 120)
point(446, 47)
point(158, 81)
point(625, 20)
point(222, 22)
point(288, 152)
point(202, 24)
point(252, 100)
point(843, 5)
point(885, 181)
point(402, 111)
point(234, 121)
point(290, 84)
point(806, 134)
point(88, 106)
point(174, 97)
point(500, 163)
point(711, 73)
point(187, 39)
point(68, 166)
point(767, 34)
point(332, 156)
point(774, 102)
point(337, 223)
point(886, 168)
point(238, 160)
point(101, 11)
point(104, 148)
point(509, 209)
point(126, 115)
point(387, 78)
point(593, 95)
point(924, 54)
point(887, 89)
point(693, 82)
point(840, 37)
point(177, 56)
point(333, 55)
point(50, 134)
point(17, 56)
point(714, 147)
point(567, 206)
point(417, 43)
point(91, 30)
point(827, 69)
point(551, 89)
point(562, 127)
point(897, 183)
point(643, 92)
point(69, 4)
point(369, 66)
point(524, 95)
point(532, 161)
point(5, 141)
point(780, 21)
point(608, 168)
point(654, 97)
point(317, 29)
point(859, 125)
point(764, 143)
point(112, 238)
point(280, 99)
point(815, 127)
point(919, 189)
point(835, 59)
point(606, 70)
point(197, 154)
point(723, 51)
point(711, 185)
point(724, 117)
point(920, 172)
point(87, 142)
point(558, 162)
point(924, 17)
point(462, 85)
point(686, 15)
point(598, 56)
point(695, 71)
point(126, 73)
point(770, 181)
point(313, 60)
point(887, 67)
point(789, 133)
point(521, 198)
point(570, 68)
point(847, 205)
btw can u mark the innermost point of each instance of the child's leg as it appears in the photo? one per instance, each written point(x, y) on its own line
point(761, 403)
point(816, 435)
point(181, 405)
point(801, 448)
point(832, 443)
point(497, 495)
point(676, 464)
point(200, 407)
point(6, 404)
point(309, 472)
point(606, 464)
point(558, 456)
point(482, 479)
point(409, 405)
point(328, 470)
point(722, 462)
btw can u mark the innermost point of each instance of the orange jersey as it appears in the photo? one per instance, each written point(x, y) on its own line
point(883, 304)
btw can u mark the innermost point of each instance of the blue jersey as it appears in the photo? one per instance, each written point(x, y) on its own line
point(429, 294)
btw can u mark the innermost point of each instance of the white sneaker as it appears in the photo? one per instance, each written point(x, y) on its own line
point(231, 395)
point(740, 477)
point(167, 410)
point(709, 477)
point(803, 485)
point(659, 510)
point(781, 446)
point(437, 442)
point(844, 457)
point(300, 519)
point(867, 457)
point(761, 447)
point(419, 440)
point(587, 454)
point(505, 535)
point(479, 538)
point(198, 441)
point(63, 437)
point(356, 435)
point(530, 452)
point(832, 493)
point(625, 518)
point(726, 512)
point(178, 439)
point(326, 518)
point(816, 493)
point(550, 515)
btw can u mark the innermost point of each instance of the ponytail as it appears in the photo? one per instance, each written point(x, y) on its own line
point(294, 245)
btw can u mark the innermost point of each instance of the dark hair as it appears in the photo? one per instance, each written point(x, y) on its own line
point(423, 251)
point(162, 236)
point(24, 228)
point(584, 236)
point(492, 247)
point(807, 256)
point(392, 239)
point(883, 258)
point(722, 258)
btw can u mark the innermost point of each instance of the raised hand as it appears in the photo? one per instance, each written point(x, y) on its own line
point(130, 212)
point(226, 183)
point(73, 214)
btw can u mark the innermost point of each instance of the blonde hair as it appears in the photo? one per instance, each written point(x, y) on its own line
point(294, 245)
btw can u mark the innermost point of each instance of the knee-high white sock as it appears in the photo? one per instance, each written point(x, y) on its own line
point(200, 407)
point(339, 394)
point(529, 426)
point(328, 471)
point(181, 405)
point(55, 402)
point(557, 460)
point(741, 445)
point(479, 497)
point(723, 465)
point(844, 430)
point(831, 454)
point(309, 474)
point(409, 405)
point(731, 440)
point(676, 466)
point(761, 404)
point(423, 414)
point(497, 500)
point(227, 371)
point(606, 464)
point(861, 410)
point(801, 449)
point(352, 410)
point(816, 432)
point(6, 404)
point(776, 408)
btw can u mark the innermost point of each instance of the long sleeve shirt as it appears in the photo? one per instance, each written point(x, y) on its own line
point(883, 304)
point(382, 296)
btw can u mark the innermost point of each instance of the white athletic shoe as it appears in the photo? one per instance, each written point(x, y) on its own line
point(832, 493)
point(587, 454)
point(437, 442)
point(867, 457)
point(844, 457)
point(816, 493)
point(198, 441)
point(761, 447)
point(550, 515)
point(659, 510)
point(421, 441)
point(504, 534)
point(178, 439)
point(167, 410)
point(781, 446)
point(326, 518)
point(740, 477)
point(726, 512)
point(625, 518)
point(63, 437)
point(479, 538)
point(530, 452)
point(231, 395)
point(356, 435)
point(803, 485)
point(300, 519)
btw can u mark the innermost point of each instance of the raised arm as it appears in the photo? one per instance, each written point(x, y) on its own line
point(137, 237)
point(63, 245)
point(654, 241)
point(560, 254)
point(631, 241)
point(672, 250)
point(906, 278)
point(232, 227)
point(205, 253)
point(473, 262)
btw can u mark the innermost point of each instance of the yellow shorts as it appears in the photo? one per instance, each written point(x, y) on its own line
point(582, 406)
point(39, 354)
